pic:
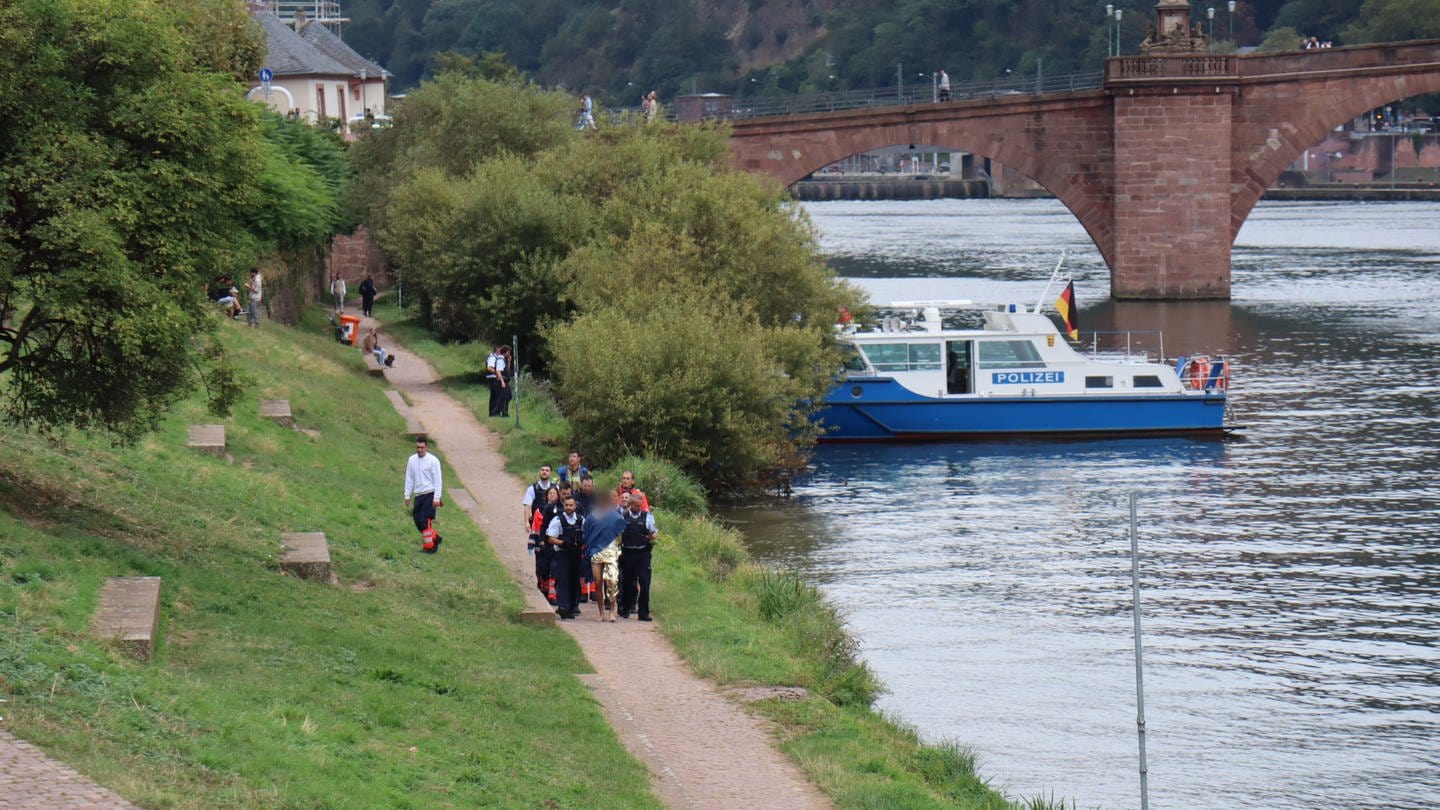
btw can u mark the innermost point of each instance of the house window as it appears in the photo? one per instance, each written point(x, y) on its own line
point(320, 101)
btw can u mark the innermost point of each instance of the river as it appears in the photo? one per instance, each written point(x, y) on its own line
point(1290, 590)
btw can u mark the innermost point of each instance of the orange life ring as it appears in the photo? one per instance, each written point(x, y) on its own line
point(1199, 373)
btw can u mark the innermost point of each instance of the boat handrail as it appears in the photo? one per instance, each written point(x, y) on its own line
point(1131, 350)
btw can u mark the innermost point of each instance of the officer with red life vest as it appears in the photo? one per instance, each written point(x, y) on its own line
point(636, 543)
point(533, 502)
point(567, 540)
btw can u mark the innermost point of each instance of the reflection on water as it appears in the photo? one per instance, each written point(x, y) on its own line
point(1292, 602)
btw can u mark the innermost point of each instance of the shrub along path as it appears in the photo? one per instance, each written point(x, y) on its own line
point(702, 749)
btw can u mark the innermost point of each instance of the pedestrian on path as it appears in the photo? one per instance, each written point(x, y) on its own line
point(367, 296)
point(253, 289)
point(567, 540)
point(423, 486)
point(636, 543)
point(603, 527)
point(337, 289)
point(497, 367)
point(944, 86)
point(587, 113)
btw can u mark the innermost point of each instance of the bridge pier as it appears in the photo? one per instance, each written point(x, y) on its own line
point(1172, 194)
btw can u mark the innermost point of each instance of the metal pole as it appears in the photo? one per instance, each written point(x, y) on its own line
point(1139, 658)
point(899, 82)
point(515, 376)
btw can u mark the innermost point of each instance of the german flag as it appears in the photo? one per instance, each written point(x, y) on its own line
point(1065, 304)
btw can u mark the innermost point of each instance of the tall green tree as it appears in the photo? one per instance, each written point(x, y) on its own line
point(134, 172)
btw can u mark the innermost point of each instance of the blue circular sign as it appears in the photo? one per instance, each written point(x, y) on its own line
point(266, 74)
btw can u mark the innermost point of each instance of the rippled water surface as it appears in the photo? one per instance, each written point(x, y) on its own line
point(1291, 597)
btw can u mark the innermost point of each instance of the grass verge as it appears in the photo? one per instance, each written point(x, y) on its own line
point(740, 624)
point(411, 684)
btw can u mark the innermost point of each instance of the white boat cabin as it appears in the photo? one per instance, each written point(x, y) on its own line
point(1017, 353)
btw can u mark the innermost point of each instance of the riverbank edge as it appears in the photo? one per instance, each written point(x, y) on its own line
point(789, 667)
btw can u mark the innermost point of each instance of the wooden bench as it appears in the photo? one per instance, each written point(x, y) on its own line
point(278, 410)
point(307, 556)
point(412, 423)
point(129, 614)
point(207, 439)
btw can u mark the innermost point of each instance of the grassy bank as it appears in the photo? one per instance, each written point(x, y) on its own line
point(740, 624)
point(409, 685)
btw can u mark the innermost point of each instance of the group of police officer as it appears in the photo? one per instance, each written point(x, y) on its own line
point(580, 537)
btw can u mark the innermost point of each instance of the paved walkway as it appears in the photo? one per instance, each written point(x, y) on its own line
point(29, 779)
point(703, 750)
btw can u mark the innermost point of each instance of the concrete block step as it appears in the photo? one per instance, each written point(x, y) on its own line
point(307, 556)
point(277, 410)
point(129, 614)
point(207, 439)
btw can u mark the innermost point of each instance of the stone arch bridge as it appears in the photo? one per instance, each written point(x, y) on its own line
point(1161, 164)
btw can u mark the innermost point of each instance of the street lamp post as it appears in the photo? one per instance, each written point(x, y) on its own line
point(1231, 5)
point(364, 95)
point(1119, 14)
point(1210, 13)
point(1109, 35)
point(934, 87)
point(899, 82)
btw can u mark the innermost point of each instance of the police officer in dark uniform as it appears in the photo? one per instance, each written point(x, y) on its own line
point(533, 502)
point(636, 543)
point(567, 541)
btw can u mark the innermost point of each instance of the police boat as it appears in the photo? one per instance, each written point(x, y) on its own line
point(912, 379)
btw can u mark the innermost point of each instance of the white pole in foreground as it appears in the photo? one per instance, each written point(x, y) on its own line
point(1054, 274)
point(1139, 659)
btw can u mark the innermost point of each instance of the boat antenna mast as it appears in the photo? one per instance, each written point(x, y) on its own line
point(1054, 275)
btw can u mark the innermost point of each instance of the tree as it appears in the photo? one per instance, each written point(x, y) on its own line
point(133, 174)
point(1395, 21)
point(1280, 39)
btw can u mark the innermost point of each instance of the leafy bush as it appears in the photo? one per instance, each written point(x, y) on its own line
point(666, 485)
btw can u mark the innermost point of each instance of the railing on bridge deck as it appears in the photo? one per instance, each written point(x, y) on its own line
point(1181, 66)
point(761, 106)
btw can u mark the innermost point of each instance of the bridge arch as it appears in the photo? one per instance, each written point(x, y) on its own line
point(1052, 141)
point(1268, 137)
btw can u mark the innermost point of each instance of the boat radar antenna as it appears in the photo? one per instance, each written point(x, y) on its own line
point(1045, 294)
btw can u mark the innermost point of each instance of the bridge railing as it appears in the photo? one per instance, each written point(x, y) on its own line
point(1183, 66)
point(761, 106)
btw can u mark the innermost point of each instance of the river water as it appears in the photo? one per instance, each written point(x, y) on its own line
point(1291, 579)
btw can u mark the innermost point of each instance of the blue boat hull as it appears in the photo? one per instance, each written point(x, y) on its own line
point(879, 409)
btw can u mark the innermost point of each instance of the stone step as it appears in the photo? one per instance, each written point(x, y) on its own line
point(129, 614)
point(539, 616)
point(374, 371)
point(412, 422)
point(207, 439)
point(278, 410)
point(307, 556)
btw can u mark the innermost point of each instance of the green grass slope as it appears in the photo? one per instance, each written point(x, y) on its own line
point(409, 685)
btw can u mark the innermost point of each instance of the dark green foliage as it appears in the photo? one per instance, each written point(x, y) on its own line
point(134, 173)
point(680, 304)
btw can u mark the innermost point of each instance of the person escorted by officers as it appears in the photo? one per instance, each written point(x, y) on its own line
point(567, 540)
point(636, 543)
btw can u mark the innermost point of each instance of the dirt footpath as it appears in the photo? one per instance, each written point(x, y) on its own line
point(29, 779)
point(702, 749)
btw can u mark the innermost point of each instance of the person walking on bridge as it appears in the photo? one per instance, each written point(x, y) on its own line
point(944, 85)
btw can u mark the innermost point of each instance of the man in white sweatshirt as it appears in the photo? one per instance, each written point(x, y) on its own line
point(423, 486)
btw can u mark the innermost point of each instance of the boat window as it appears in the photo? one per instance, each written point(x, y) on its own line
point(957, 375)
point(1099, 382)
point(1009, 354)
point(1148, 381)
point(903, 356)
point(853, 360)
